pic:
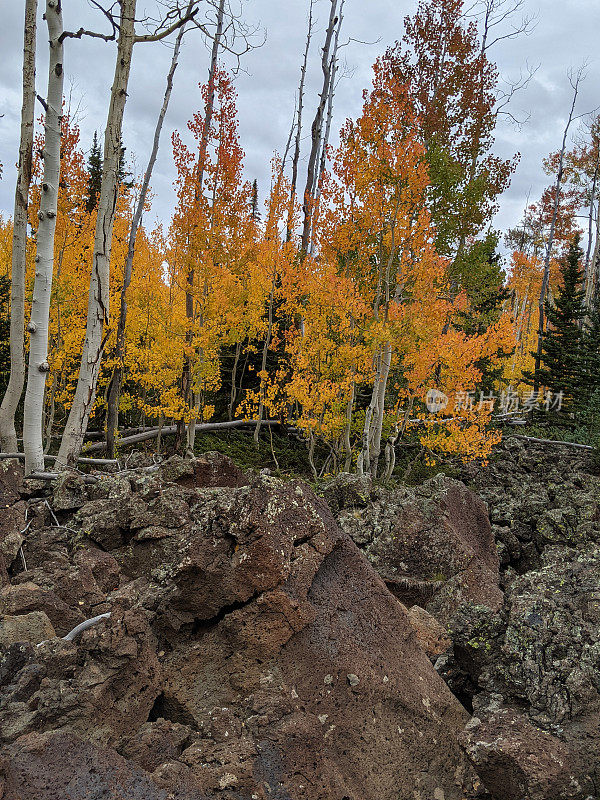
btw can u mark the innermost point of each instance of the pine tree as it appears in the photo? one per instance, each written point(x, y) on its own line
point(124, 177)
point(255, 211)
point(95, 175)
point(590, 377)
point(483, 280)
point(562, 356)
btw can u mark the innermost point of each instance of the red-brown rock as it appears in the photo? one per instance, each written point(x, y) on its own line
point(59, 766)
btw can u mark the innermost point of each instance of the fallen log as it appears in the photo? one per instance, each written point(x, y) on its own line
point(204, 427)
point(101, 462)
point(552, 441)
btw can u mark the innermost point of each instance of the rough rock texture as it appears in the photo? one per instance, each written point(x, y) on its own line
point(517, 760)
point(535, 666)
point(59, 766)
point(432, 637)
point(537, 496)
point(432, 545)
point(33, 627)
point(251, 652)
point(12, 514)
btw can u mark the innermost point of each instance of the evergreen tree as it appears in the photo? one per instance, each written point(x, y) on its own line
point(590, 378)
point(95, 175)
point(562, 361)
point(480, 273)
point(124, 177)
point(255, 211)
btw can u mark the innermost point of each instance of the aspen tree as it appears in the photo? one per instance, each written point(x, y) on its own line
point(318, 122)
point(97, 317)
point(299, 113)
point(114, 389)
point(98, 301)
point(14, 390)
point(40, 307)
point(188, 384)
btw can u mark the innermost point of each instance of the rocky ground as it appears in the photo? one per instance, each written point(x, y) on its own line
point(370, 644)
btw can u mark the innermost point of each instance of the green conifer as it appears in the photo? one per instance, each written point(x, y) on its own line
point(562, 361)
point(95, 175)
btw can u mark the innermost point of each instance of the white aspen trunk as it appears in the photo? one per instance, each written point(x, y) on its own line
point(263, 366)
point(330, 99)
point(592, 269)
point(40, 307)
point(364, 457)
point(114, 389)
point(188, 381)
point(300, 109)
point(14, 390)
point(317, 129)
point(384, 372)
point(591, 217)
point(347, 429)
point(371, 440)
point(97, 313)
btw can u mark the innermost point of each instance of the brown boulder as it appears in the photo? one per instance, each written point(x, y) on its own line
point(34, 627)
point(518, 760)
point(252, 651)
point(294, 662)
point(158, 742)
point(433, 544)
point(21, 598)
point(12, 510)
point(208, 470)
point(59, 766)
point(102, 687)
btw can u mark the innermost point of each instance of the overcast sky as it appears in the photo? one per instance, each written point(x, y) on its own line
point(567, 34)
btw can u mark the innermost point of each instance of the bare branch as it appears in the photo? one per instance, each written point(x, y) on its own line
point(162, 34)
point(105, 36)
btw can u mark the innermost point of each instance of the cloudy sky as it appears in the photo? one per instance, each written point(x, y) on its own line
point(566, 35)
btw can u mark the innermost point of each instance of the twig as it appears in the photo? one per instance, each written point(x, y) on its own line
point(49, 507)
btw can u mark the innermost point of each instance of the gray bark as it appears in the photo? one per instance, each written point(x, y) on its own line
point(188, 382)
point(114, 389)
point(14, 390)
point(44, 260)
point(300, 109)
point(317, 129)
point(98, 302)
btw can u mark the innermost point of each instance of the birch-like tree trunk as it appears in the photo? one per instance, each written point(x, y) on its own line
point(14, 390)
point(368, 458)
point(97, 313)
point(44, 260)
point(299, 113)
point(330, 98)
point(591, 257)
point(265, 352)
point(592, 282)
point(317, 129)
point(188, 382)
point(114, 389)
